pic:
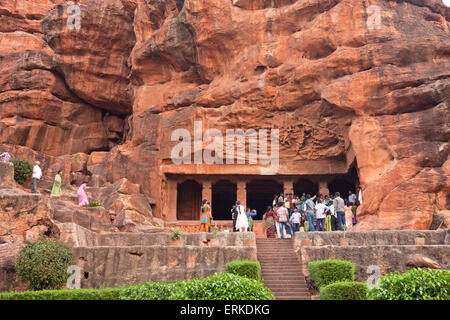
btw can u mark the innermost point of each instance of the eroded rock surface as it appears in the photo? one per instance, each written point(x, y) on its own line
point(135, 70)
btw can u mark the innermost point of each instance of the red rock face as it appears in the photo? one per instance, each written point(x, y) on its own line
point(340, 85)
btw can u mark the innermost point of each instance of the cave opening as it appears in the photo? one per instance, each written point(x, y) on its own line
point(345, 183)
point(305, 186)
point(223, 198)
point(189, 199)
point(260, 194)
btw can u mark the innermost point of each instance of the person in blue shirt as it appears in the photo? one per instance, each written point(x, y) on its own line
point(250, 214)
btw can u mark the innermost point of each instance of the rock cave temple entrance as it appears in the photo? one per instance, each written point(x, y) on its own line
point(260, 194)
point(223, 197)
point(189, 195)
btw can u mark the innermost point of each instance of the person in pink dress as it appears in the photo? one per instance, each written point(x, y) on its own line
point(82, 196)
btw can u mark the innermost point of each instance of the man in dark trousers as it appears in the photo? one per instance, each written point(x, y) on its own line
point(234, 215)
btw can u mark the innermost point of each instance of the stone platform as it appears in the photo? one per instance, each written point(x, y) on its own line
point(393, 250)
point(193, 226)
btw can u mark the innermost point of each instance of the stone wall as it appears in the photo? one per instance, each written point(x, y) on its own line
point(6, 175)
point(118, 259)
point(389, 250)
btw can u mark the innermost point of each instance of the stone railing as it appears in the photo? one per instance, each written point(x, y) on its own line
point(388, 251)
point(118, 259)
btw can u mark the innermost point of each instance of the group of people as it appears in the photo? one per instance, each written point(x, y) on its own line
point(36, 176)
point(317, 213)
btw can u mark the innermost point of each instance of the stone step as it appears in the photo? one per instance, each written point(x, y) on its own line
point(290, 292)
point(294, 298)
point(297, 279)
point(293, 286)
point(285, 270)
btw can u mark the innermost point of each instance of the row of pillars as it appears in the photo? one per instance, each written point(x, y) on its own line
point(288, 188)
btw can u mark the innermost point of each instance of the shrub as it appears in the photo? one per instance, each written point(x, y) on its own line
point(154, 291)
point(325, 272)
point(219, 286)
point(344, 290)
point(226, 286)
point(43, 264)
point(245, 268)
point(415, 284)
point(22, 170)
point(73, 294)
point(175, 233)
point(95, 204)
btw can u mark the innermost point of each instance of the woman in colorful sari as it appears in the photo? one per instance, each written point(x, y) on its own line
point(269, 222)
point(82, 196)
point(205, 216)
point(56, 190)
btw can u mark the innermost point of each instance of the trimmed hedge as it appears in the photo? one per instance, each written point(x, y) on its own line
point(344, 290)
point(43, 264)
point(325, 272)
point(154, 291)
point(226, 286)
point(245, 268)
point(219, 286)
point(415, 284)
point(72, 294)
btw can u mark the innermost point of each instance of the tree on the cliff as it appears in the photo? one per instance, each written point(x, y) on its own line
point(22, 170)
point(43, 264)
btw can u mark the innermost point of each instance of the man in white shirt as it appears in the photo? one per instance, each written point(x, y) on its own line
point(37, 174)
point(321, 210)
point(295, 220)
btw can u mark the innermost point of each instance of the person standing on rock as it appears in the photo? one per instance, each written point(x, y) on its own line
point(37, 174)
point(82, 196)
point(5, 157)
point(56, 190)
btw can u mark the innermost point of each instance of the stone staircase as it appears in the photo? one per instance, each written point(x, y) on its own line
point(281, 270)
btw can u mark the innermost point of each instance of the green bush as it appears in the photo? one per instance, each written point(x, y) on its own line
point(226, 286)
point(245, 268)
point(219, 286)
point(344, 290)
point(74, 294)
point(415, 284)
point(95, 204)
point(154, 291)
point(22, 170)
point(43, 264)
point(325, 272)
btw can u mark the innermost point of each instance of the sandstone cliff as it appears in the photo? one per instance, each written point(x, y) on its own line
point(99, 97)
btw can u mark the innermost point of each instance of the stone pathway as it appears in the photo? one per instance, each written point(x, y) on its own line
point(281, 269)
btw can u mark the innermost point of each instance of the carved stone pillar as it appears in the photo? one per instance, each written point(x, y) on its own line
point(206, 191)
point(171, 198)
point(323, 187)
point(242, 193)
point(288, 187)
